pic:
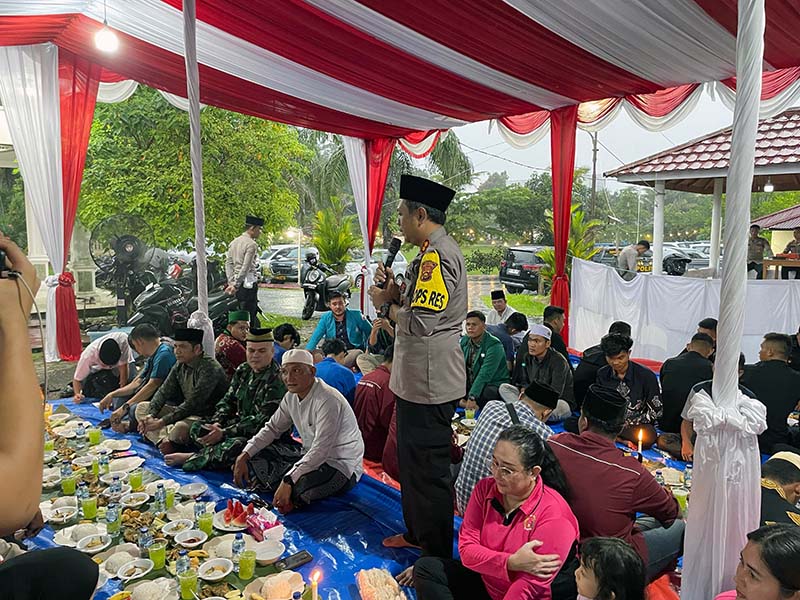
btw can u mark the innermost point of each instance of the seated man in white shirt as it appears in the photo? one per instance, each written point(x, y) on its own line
point(330, 461)
point(111, 352)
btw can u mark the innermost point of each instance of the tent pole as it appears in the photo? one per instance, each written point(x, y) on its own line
point(658, 228)
point(716, 227)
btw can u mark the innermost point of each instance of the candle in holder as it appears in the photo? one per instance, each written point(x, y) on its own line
point(315, 577)
point(641, 433)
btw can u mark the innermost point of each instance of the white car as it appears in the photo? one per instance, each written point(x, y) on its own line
point(353, 268)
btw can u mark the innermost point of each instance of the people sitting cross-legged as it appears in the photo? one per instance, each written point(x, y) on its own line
point(486, 362)
point(286, 338)
point(160, 359)
point(511, 333)
point(637, 384)
point(374, 407)
point(530, 407)
point(679, 375)
point(255, 392)
point(332, 371)
point(189, 394)
point(330, 461)
point(780, 489)
point(609, 488)
point(537, 361)
point(345, 324)
point(104, 366)
point(768, 565)
point(519, 536)
point(777, 386)
point(229, 345)
point(592, 361)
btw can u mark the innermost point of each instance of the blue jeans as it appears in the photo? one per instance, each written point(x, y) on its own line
point(664, 544)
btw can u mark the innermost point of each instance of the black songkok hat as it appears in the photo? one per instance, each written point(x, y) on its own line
point(194, 336)
point(260, 335)
point(110, 352)
point(498, 294)
point(427, 192)
point(542, 394)
point(605, 404)
point(254, 221)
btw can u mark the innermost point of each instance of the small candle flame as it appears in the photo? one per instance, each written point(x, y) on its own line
point(641, 433)
point(316, 576)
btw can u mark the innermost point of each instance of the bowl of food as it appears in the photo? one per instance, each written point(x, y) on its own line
point(175, 527)
point(135, 569)
point(268, 551)
point(192, 490)
point(134, 500)
point(108, 478)
point(121, 555)
point(191, 538)
point(169, 484)
point(83, 461)
point(50, 456)
point(277, 585)
point(51, 480)
point(215, 569)
point(63, 514)
point(125, 489)
point(92, 544)
point(58, 418)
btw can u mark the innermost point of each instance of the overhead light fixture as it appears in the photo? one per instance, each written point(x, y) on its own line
point(105, 39)
point(769, 187)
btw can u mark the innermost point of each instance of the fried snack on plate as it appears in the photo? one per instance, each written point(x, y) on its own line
point(378, 584)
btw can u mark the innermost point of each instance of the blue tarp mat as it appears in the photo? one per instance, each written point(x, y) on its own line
point(343, 533)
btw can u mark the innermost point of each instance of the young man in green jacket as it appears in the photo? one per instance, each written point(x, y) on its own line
point(485, 359)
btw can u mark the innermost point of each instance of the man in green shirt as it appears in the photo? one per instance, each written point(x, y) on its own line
point(254, 395)
point(485, 360)
point(189, 393)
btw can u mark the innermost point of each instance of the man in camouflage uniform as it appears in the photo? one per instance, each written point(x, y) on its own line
point(255, 392)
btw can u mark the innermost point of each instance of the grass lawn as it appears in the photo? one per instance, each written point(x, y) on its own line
point(531, 306)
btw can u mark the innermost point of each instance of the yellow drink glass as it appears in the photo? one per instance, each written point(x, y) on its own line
point(188, 583)
point(682, 496)
point(68, 486)
point(94, 435)
point(205, 523)
point(135, 479)
point(89, 506)
point(158, 554)
point(469, 413)
point(49, 445)
point(247, 564)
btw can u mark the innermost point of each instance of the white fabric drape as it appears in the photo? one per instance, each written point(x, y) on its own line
point(178, 102)
point(523, 140)
point(769, 108)
point(50, 342)
point(670, 120)
point(111, 93)
point(29, 93)
point(599, 296)
point(355, 152)
point(728, 474)
point(423, 147)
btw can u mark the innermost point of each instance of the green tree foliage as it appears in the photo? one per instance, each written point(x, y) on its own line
point(138, 162)
point(12, 207)
point(581, 244)
point(335, 234)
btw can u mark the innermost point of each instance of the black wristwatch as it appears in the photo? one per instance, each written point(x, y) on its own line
point(288, 481)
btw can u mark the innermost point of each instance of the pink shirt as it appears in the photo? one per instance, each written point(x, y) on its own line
point(89, 361)
point(727, 595)
point(485, 542)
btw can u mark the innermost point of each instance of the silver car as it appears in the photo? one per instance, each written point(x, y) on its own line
point(353, 268)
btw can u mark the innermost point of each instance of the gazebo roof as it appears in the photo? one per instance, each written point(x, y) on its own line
point(693, 166)
point(786, 219)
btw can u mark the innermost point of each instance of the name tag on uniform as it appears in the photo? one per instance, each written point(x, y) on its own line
point(430, 292)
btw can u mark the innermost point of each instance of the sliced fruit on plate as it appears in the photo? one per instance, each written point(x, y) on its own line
point(228, 514)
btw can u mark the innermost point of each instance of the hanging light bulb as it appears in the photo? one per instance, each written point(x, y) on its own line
point(105, 39)
point(769, 187)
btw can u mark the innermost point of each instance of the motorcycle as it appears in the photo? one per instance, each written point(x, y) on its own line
point(317, 287)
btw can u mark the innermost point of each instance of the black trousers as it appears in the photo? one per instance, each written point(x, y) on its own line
point(248, 300)
point(423, 456)
point(786, 270)
point(60, 572)
point(758, 268)
point(447, 579)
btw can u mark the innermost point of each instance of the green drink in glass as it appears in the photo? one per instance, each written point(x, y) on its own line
point(158, 554)
point(94, 436)
point(188, 583)
point(170, 498)
point(135, 479)
point(68, 486)
point(205, 523)
point(89, 506)
point(49, 445)
point(247, 564)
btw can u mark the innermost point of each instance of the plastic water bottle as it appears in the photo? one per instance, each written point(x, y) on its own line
point(83, 491)
point(102, 462)
point(687, 477)
point(66, 469)
point(115, 489)
point(199, 509)
point(659, 478)
point(297, 596)
point(145, 539)
point(182, 565)
point(238, 548)
point(160, 504)
point(80, 430)
point(112, 519)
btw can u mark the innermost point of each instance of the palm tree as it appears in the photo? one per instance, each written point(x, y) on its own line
point(581, 241)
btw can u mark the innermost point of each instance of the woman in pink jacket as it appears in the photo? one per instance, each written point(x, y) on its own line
point(518, 530)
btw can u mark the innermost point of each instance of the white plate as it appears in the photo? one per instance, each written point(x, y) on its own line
point(58, 418)
point(175, 527)
point(211, 545)
point(62, 515)
point(102, 579)
point(50, 456)
point(254, 587)
point(151, 487)
point(207, 573)
point(125, 489)
point(125, 465)
point(469, 422)
point(50, 480)
point(185, 510)
point(108, 478)
point(192, 490)
point(63, 537)
point(134, 500)
point(182, 537)
point(268, 551)
point(83, 461)
point(168, 587)
point(142, 567)
point(103, 542)
point(131, 550)
point(219, 523)
point(116, 445)
point(64, 431)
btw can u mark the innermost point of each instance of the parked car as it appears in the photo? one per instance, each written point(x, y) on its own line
point(283, 266)
point(353, 267)
point(674, 261)
point(267, 256)
point(519, 269)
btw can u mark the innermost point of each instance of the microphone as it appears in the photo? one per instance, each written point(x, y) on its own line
point(394, 248)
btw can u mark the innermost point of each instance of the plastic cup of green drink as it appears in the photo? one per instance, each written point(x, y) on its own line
point(158, 553)
point(205, 523)
point(49, 445)
point(170, 498)
point(188, 583)
point(682, 496)
point(94, 435)
point(89, 506)
point(247, 564)
point(135, 479)
point(68, 486)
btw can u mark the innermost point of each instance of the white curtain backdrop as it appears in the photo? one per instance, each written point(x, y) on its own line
point(769, 108)
point(50, 343)
point(111, 93)
point(600, 297)
point(355, 152)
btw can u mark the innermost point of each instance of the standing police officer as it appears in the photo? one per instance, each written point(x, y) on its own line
point(241, 268)
point(428, 373)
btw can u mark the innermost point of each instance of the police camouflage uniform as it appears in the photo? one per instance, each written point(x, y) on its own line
point(249, 403)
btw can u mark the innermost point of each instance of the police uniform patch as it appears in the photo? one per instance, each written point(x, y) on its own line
point(430, 292)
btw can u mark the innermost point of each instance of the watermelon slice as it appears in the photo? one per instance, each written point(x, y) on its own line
point(250, 509)
point(228, 514)
point(240, 520)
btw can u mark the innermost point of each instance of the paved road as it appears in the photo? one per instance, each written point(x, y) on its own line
point(288, 301)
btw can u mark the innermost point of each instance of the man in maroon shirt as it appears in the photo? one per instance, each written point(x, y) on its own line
point(374, 407)
point(608, 488)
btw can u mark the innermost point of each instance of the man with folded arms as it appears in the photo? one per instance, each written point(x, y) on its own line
point(330, 461)
point(189, 394)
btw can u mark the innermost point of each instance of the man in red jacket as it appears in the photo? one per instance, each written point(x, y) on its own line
point(374, 407)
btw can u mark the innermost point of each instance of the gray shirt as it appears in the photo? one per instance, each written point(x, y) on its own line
point(327, 426)
point(626, 262)
point(241, 262)
point(428, 363)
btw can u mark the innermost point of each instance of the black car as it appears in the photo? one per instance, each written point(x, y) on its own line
point(519, 269)
point(283, 265)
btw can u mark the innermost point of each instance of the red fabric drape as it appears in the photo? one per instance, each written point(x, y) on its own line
point(78, 81)
point(522, 124)
point(379, 155)
point(772, 82)
point(563, 124)
point(662, 102)
point(418, 136)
